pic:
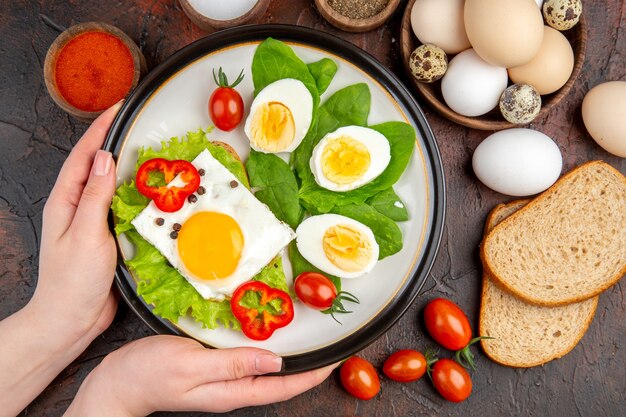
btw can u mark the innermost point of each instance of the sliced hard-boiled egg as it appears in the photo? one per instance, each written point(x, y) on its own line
point(337, 245)
point(349, 157)
point(280, 116)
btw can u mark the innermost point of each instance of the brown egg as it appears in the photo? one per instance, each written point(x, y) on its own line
point(604, 114)
point(550, 69)
point(504, 33)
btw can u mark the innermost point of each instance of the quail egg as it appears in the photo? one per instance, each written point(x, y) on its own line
point(562, 14)
point(428, 63)
point(520, 103)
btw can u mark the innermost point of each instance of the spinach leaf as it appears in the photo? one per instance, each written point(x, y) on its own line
point(300, 265)
point(401, 138)
point(323, 71)
point(388, 203)
point(387, 233)
point(273, 61)
point(277, 186)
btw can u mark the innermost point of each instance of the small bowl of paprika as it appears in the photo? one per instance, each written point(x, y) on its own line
point(91, 66)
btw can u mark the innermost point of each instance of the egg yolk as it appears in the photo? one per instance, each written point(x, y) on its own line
point(210, 245)
point(347, 248)
point(344, 160)
point(273, 128)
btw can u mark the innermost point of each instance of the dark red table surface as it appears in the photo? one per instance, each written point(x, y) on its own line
point(36, 137)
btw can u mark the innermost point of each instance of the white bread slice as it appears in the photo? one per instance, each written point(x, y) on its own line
point(566, 245)
point(527, 335)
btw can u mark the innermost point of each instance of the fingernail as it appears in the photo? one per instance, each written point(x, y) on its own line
point(117, 106)
point(102, 163)
point(266, 363)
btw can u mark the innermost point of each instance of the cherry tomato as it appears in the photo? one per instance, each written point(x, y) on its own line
point(359, 378)
point(405, 366)
point(226, 104)
point(315, 290)
point(451, 380)
point(447, 324)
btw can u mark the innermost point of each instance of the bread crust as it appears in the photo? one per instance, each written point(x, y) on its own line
point(233, 152)
point(488, 267)
point(492, 221)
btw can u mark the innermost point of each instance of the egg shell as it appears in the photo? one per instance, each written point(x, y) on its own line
point(428, 63)
point(377, 145)
point(504, 33)
point(550, 69)
point(309, 240)
point(604, 115)
point(562, 14)
point(294, 95)
point(471, 86)
point(264, 235)
point(520, 103)
point(517, 162)
point(440, 22)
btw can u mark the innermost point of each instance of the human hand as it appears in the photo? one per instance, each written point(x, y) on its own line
point(77, 256)
point(170, 373)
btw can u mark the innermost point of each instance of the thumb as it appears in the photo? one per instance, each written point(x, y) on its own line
point(93, 208)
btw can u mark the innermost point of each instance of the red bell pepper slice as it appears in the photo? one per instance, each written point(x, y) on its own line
point(173, 198)
point(260, 323)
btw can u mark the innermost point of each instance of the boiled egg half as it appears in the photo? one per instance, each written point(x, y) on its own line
point(337, 245)
point(349, 157)
point(223, 239)
point(280, 116)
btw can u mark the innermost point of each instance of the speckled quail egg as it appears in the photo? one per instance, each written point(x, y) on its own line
point(428, 63)
point(520, 103)
point(562, 14)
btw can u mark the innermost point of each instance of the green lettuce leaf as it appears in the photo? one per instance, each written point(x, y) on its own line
point(276, 186)
point(388, 203)
point(323, 71)
point(126, 205)
point(387, 233)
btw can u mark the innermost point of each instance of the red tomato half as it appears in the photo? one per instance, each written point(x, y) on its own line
point(447, 324)
point(451, 380)
point(315, 290)
point(226, 108)
point(359, 378)
point(405, 366)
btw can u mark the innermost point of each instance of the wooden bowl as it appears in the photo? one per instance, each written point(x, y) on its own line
point(50, 64)
point(493, 120)
point(207, 24)
point(355, 25)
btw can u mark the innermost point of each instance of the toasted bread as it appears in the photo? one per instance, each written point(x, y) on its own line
point(527, 335)
point(233, 152)
point(566, 245)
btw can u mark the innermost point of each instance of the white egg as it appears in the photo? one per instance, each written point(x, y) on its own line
point(227, 236)
point(349, 157)
point(337, 245)
point(280, 116)
point(517, 162)
point(471, 86)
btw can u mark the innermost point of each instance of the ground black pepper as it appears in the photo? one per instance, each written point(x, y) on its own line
point(358, 9)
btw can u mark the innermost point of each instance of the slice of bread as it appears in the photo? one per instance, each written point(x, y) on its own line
point(527, 335)
point(566, 245)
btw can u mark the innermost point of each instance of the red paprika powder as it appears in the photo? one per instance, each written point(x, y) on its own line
point(94, 71)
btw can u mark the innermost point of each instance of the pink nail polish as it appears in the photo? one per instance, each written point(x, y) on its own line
point(102, 163)
point(266, 363)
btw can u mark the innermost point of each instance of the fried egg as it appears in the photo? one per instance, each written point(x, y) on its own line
point(349, 158)
point(223, 239)
point(280, 116)
point(337, 245)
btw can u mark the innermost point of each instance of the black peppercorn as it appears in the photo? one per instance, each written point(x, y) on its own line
point(174, 234)
point(201, 190)
point(234, 184)
point(160, 221)
point(176, 227)
point(201, 172)
point(192, 198)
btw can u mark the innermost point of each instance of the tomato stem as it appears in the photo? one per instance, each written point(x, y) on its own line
point(222, 81)
point(464, 357)
point(431, 359)
point(337, 305)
